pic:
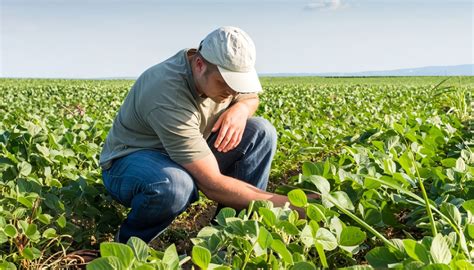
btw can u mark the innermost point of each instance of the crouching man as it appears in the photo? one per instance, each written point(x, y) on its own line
point(187, 125)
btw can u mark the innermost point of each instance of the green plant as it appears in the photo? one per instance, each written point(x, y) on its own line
point(136, 255)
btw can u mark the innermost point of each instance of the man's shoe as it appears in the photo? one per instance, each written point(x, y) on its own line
point(160, 233)
point(117, 236)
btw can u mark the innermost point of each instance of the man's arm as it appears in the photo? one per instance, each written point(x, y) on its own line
point(227, 190)
point(251, 103)
point(231, 124)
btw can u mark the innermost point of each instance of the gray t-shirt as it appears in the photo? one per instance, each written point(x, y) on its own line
point(163, 111)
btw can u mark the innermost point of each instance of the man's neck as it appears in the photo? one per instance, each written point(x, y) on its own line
point(190, 55)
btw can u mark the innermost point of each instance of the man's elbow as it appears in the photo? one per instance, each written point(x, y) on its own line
point(208, 189)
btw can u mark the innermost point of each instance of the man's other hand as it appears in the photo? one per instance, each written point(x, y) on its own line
point(231, 126)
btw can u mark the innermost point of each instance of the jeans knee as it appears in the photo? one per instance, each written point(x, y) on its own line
point(178, 191)
point(264, 129)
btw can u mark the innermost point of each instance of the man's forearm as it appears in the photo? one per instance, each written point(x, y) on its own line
point(237, 194)
point(227, 190)
point(250, 103)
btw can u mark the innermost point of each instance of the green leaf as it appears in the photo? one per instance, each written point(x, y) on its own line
point(380, 257)
point(288, 227)
point(201, 256)
point(307, 236)
point(10, 231)
point(32, 232)
point(326, 239)
point(146, 267)
point(321, 183)
point(469, 206)
point(406, 163)
point(416, 251)
point(25, 201)
point(45, 218)
point(391, 142)
point(23, 225)
point(170, 258)
point(235, 226)
point(105, 263)
point(449, 162)
point(463, 265)
point(3, 237)
point(49, 233)
point(357, 267)
point(372, 216)
point(119, 250)
point(31, 253)
point(139, 248)
point(343, 200)
point(470, 230)
point(24, 168)
point(279, 247)
point(52, 182)
point(351, 236)
point(389, 166)
point(61, 221)
point(436, 266)
point(452, 212)
point(43, 150)
point(224, 213)
point(32, 128)
point(303, 266)
point(265, 239)
point(207, 231)
point(440, 250)
point(460, 165)
point(269, 217)
point(314, 213)
point(297, 197)
point(309, 169)
point(7, 266)
point(322, 255)
point(219, 267)
point(251, 228)
point(213, 243)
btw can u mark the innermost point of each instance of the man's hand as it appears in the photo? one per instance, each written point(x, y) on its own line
point(313, 196)
point(232, 125)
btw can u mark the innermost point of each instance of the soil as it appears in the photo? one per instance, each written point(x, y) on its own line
point(185, 227)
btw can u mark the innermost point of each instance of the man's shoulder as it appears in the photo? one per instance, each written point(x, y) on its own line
point(171, 67)
point(165, 84)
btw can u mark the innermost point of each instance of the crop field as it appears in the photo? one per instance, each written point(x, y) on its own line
point(391, 158)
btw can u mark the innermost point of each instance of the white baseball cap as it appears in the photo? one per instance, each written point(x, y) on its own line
point(233, 52)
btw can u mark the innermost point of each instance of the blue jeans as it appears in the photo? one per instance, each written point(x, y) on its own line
point(157, 189)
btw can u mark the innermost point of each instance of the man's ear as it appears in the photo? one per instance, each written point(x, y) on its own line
point(200, 66)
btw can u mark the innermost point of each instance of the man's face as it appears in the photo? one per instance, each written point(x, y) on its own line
point(213, 86)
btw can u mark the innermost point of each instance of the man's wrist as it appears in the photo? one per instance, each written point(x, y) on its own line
point(242, 106)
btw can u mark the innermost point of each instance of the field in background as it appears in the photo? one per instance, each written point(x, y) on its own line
point(384, 153)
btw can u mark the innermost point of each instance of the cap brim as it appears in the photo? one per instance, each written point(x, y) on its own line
point(242, 82)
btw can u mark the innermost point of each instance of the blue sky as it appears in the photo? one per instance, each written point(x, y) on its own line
point(111, 38)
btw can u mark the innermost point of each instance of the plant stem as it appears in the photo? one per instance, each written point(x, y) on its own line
point(247, 255)
point(458, 231)
point(361, 222)
point(356, 219)
point(434, 231)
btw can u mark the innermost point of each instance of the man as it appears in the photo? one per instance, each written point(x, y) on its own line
point(185, 125)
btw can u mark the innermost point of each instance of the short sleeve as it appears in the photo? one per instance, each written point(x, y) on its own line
point(178, 130)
